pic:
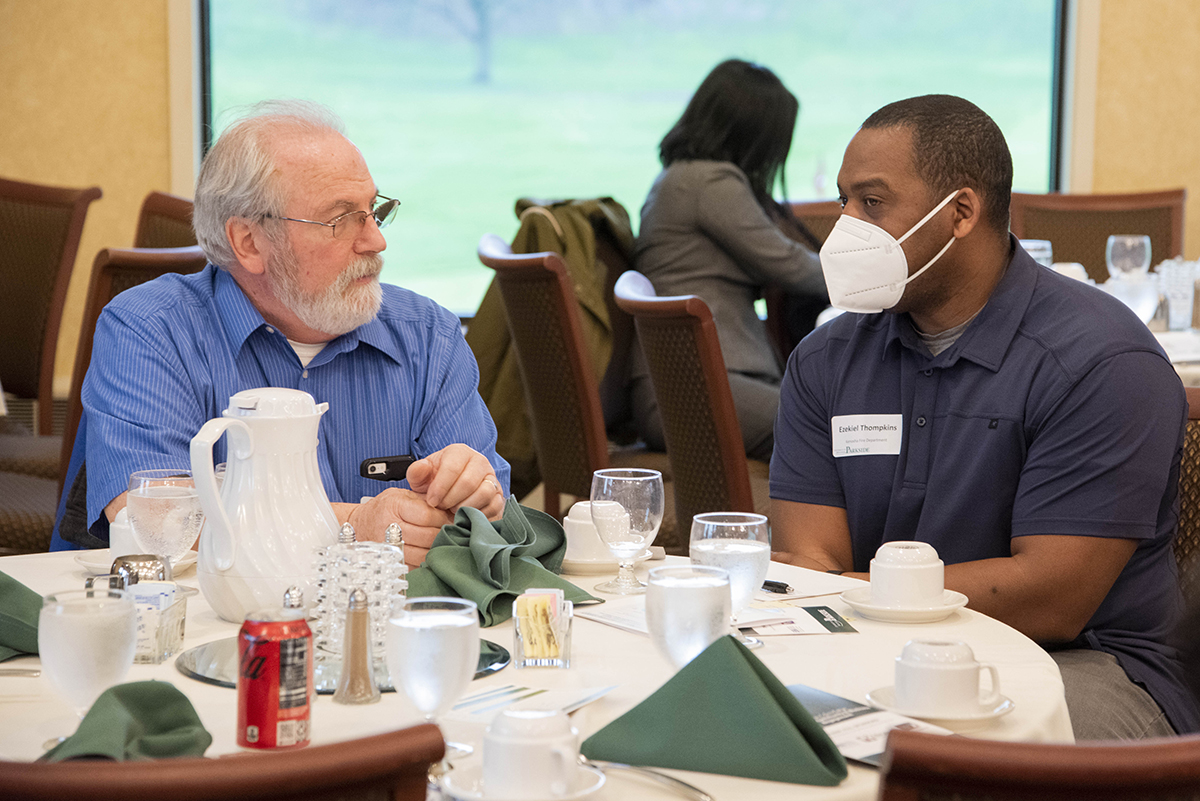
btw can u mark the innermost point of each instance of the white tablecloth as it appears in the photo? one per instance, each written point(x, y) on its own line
point(846, 664)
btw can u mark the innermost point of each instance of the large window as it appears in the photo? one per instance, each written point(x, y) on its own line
point(462, 106)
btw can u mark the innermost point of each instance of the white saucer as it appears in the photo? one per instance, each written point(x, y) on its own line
point(885, 698)
point(99, 561)
point(859, 599)
point(463, 784)
point(590, 567)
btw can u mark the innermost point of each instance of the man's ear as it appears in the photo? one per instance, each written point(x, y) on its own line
point(249, 244)
point(968, 212)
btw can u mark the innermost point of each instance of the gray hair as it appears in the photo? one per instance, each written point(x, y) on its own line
point(238, 177)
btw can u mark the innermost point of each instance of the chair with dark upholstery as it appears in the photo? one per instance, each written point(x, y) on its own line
point(557, 375)
point(27, 516)
point(1187, 538)
point(114, 271)
point(165, 221)
point(387, 767)
point(818, 216)
point(1078, 226)
point(920, 766)
point(709, 468)
point(40, 228)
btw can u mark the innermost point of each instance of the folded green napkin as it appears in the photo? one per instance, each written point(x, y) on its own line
point(139, 720)
point(723, 712)
point(492, 563)
point(19, 610)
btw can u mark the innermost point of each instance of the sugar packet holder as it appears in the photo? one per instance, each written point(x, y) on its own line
point(542, 629)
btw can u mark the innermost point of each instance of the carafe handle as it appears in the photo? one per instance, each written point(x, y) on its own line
point(220, 528)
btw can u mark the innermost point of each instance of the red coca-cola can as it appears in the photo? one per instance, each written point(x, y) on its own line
point(275, 680)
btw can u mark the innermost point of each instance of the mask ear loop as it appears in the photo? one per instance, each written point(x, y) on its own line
point(924, 220)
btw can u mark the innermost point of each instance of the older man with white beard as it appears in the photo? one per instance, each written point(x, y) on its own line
point(289, 217)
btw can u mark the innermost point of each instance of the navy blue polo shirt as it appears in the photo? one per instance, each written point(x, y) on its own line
point(1055, 412)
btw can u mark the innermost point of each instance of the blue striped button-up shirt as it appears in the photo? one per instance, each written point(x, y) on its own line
point(168, 355)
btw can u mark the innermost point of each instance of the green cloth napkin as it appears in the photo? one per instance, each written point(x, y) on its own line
point(19, 610)
point(723, 712)
point(492, 563)
point(139, 720)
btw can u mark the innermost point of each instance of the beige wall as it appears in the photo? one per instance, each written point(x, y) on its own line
point(83, 94)
point(1147, 112)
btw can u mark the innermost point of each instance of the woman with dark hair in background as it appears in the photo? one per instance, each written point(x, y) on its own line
point(711, 227)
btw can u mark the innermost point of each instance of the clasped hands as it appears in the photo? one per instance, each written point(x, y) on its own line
point(440, 483)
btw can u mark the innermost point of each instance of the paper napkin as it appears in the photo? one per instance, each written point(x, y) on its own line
point(492, 563)
point(724, 712)
point(139, 720)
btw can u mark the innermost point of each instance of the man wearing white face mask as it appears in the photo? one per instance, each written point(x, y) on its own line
point(1026, 425)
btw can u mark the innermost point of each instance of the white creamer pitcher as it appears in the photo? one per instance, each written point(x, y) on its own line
point(271, 513)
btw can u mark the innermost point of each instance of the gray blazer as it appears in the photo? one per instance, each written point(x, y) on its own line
point(703, 233)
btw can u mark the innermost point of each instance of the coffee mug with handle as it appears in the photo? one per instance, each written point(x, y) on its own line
point(941, 677)
point(530, 754)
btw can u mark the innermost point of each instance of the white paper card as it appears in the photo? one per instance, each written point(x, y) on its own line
point(866, 434)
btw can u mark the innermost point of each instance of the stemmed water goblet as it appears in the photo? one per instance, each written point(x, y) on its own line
point(1127, 256)
point(86, 641)
point(739, 542)
point(627, 509)
point(687, 610)
point(164, 512)
point(432, 654)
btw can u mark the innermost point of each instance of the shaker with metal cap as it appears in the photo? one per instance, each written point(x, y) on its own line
point(132, 568)
point(356, 685)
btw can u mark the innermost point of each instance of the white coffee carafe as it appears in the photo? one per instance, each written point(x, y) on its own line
point(263, 525)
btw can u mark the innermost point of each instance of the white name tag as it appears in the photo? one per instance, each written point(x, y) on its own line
point(866, 434)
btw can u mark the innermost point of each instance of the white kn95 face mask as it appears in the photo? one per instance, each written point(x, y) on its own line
point(865, 268)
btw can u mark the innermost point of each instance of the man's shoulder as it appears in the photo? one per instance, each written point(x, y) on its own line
point(862, 333)
point(165, 295)
point(403, 309)
point(1081, 325)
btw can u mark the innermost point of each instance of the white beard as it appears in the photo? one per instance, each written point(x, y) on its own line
point(338, 308)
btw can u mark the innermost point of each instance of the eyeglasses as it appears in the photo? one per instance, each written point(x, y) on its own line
point(350, 224)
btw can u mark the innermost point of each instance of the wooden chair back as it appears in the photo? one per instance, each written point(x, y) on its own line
point(560, 387)
point(700, 425)
point(114, 271)
point(1187, 537)
point(818, 216)
point(40, 228)
point(165, 221)
point(1078, 226)
point(392, 766)
point(929, 766)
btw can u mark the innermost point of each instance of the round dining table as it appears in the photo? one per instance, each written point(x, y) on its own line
point(845, 664)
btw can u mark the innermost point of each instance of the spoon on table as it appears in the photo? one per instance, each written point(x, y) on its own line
point(681, 787)
point(32, 673)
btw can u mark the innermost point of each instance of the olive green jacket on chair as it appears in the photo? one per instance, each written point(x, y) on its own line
point(565, 227)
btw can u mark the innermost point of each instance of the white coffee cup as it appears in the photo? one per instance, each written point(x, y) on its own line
point(907, 575)
point(941, 677)
point(120, 536)
point(529, 754)
point(583, 542)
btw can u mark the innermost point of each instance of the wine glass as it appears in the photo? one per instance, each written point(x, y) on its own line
point(627, 508)
point(86, 641)
point(1127, 256)
point(687, 610)
point(164, 512)
point(740, 543)
point(432, 652)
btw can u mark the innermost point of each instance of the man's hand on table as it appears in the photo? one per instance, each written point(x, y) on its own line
point(441, 483)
